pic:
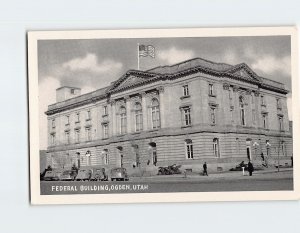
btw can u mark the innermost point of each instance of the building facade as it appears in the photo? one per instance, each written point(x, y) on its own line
point(189, 113)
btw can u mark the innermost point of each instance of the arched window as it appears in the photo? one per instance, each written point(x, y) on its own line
point(242, 110)
point(123, 120)
point(189, 149)
point(155, 114)
point(216, 147)
point(138, 117)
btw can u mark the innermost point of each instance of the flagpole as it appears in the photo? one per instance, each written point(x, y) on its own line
point(138, 54)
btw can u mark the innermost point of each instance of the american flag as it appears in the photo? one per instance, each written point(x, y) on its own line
point(146, 50)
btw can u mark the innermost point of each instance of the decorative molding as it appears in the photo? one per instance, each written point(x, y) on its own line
point(256, 93)
point(226, 86)
point(161, 89)
point(235, 88)
point(248, 91)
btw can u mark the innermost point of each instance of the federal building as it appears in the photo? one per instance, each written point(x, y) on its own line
point(189, 113)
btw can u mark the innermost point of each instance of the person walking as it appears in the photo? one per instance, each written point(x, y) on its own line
point(205, 169)
point(250, 168)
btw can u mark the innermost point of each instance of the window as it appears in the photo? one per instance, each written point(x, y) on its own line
point(242, 110)
point(105, 131)
point(67, 137)
point(77, 136)
point(212, 115)
point(186, 90)
point(138, 117)
point(262, 100)
point(230, 94)
point(278, 103)
point(105, 110)
point(88, 116)
point(280, 122)
point(53, 123)
point(216, 147)
point(189, 149)
point(88, 133)
point(253, 116)
point(231, 115)
point(186, 116)
point(77, 117)
point(211, 89)
point(264, 121)
point(67, 120)
point(106, 156)
point(52, 136)
point(155, 114)
point(123, 120)
point(72, 91)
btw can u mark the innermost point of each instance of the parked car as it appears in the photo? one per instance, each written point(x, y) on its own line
point(99, 174)
point(119, 174)
point(84, 174)
point(68, 175)
point(52, 175)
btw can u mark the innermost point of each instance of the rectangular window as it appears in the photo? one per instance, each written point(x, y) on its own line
point(211, 89)
point(53, 123)
point(216, 147)
point(138, 121)
point(189, 149)
point(212, 115)
point(106, 157)
point(253, 116)
point(105, 110)
point(88, 132)
point(187, 116)
point(78, 117)
point(67, 120)
point(88, 115)
point(262, 100)
point(67, 137)
point(77, 136)
point(278, 103)
point(72, 91)
point(186, 90)
point(105, 131)
point(230, 94)
point(52, 139)
point(264, 121)
point(231, 115)
point(280, 122)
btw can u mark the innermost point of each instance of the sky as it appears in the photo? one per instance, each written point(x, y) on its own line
point(94, 63)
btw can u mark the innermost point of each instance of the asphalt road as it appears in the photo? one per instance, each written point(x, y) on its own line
point(261, 182)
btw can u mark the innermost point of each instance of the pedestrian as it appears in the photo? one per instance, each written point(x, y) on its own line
point(205, 169)
point(250, 168)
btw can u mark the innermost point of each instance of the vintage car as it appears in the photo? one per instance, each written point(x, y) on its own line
point(99, 175)
point(52, 175)
point(68, 175)
point(84, 174)
point(119, 174)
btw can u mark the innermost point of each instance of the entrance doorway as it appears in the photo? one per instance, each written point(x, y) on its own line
point(153, 153)
point(137, 155)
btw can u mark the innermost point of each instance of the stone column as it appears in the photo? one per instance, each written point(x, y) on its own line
point(113, 117)
point(235, 101)
point(128, 113)
point(161, 107)
point(145, 112)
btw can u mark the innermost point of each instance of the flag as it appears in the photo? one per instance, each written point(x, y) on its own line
point(146, 50)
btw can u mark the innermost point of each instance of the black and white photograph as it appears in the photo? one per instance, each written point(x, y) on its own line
point(162, 115)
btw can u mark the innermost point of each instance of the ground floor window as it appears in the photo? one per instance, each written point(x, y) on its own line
point(189, 149)
point(216, 147)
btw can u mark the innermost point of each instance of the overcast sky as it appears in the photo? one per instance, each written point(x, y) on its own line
point(92, 64)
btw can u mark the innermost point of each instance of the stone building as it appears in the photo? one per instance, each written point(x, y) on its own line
point(187, 113)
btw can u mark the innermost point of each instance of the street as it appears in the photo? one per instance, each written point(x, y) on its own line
point(235, 181)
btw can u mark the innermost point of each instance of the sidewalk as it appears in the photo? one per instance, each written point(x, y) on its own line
point(269, 173)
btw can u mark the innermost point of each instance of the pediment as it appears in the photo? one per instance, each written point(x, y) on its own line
point(244, 71)
point(131, 79)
